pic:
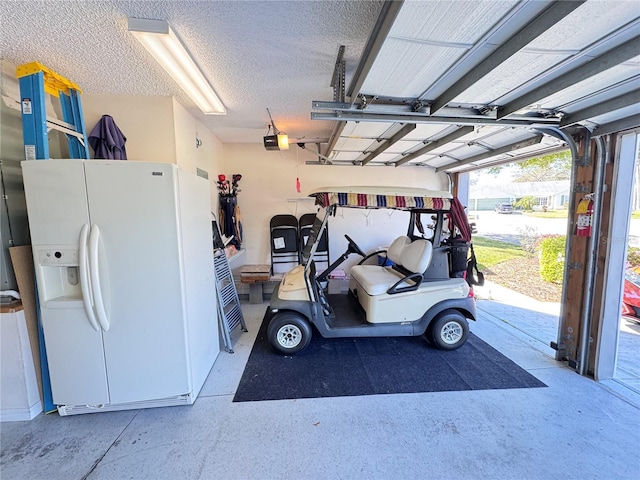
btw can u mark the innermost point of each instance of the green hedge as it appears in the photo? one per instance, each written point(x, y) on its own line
point(526, 203)
point(551, 253)
point(552, 258)
point(633, 257)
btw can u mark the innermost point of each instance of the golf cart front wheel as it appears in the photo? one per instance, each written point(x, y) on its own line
point(289, 333)
point(449, 330)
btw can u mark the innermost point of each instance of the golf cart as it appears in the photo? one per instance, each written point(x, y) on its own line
point(415, 292)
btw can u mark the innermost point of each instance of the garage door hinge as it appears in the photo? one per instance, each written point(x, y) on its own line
point(575, 266)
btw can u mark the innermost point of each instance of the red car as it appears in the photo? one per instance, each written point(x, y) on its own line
point(631, 295)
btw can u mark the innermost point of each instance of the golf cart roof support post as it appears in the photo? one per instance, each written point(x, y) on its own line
point(329, 210)
point(437, 233)
point(453, 178)
point(585, 324)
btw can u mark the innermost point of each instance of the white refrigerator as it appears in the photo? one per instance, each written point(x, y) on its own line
point(126, 283)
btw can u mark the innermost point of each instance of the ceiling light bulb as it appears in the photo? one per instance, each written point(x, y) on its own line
point(283, 141)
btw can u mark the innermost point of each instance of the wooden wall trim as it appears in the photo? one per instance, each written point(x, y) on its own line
point(576, 253)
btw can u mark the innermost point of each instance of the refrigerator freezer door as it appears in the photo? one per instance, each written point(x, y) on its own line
point(57, 206)
point(56, 200)
point(134, 204)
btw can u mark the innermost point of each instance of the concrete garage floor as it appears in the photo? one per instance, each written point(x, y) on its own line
point(575, 428)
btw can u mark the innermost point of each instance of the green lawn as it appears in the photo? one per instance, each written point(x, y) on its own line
point(491, 252)
point(563, 214)
point(549, 214)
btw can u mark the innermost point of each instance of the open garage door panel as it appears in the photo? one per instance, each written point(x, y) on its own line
point(459, 89)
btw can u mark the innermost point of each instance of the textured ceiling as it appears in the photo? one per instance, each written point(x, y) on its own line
point(452, 85)
point(257, 55)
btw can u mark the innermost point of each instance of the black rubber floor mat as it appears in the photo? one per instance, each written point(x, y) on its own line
point(369, 366)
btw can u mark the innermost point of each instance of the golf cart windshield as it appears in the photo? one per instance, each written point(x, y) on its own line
point(397, 198)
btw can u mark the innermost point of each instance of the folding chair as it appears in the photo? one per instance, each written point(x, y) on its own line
point(284, 242)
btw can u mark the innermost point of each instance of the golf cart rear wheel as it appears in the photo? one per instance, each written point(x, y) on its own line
point(449, 330)
point(289, 332)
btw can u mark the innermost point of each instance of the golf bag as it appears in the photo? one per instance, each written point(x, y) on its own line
point(458, 257)
point(229, 222)
point(230, 219)
point(463, 265)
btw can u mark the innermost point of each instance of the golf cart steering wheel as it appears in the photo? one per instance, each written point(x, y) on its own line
point(353, 246)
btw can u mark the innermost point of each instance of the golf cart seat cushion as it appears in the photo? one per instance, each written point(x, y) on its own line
point(394, 252)
point(373, 279)
point(416, 257)
point(376, 280)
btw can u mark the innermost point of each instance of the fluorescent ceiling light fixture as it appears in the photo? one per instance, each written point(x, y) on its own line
point(158, 38)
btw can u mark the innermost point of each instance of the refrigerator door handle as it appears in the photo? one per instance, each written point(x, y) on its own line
point(94, 238)
point(83, 267)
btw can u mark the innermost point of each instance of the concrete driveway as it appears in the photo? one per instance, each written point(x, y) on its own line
point(510, 227)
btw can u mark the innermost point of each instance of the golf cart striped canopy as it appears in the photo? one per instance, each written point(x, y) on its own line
point(401, 198)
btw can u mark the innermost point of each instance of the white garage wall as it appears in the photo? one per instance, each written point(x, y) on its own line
point(147, 122)
point(269, 188)
point(159, 129)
